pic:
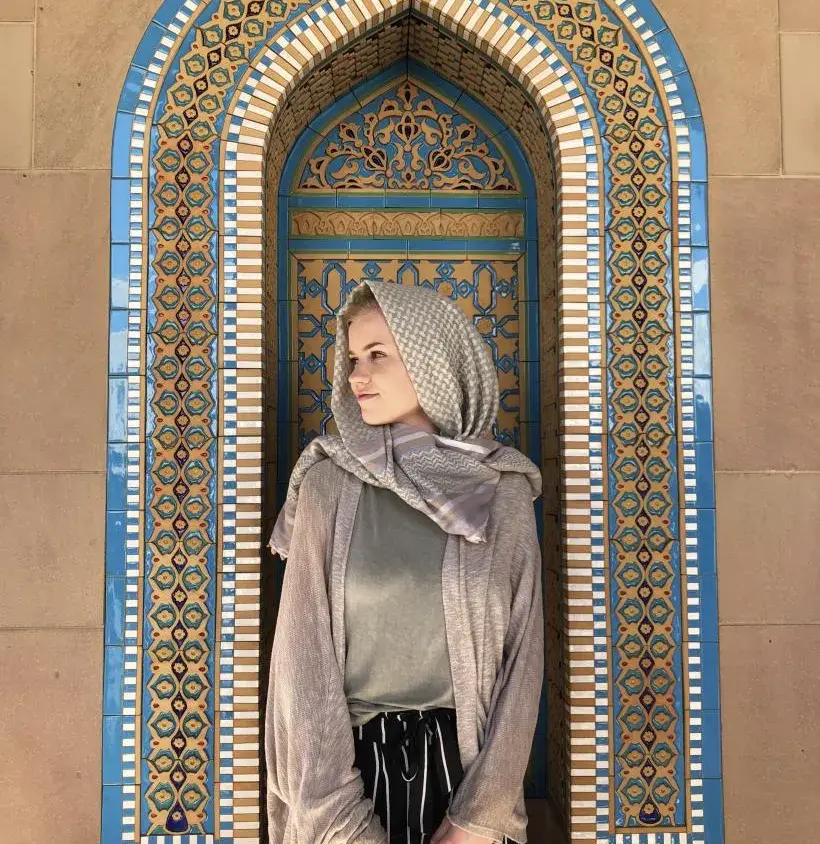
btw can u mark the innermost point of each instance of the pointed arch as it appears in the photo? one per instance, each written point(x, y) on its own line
point(206, 85)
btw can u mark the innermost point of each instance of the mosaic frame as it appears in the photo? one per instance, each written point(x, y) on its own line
point(230, 628)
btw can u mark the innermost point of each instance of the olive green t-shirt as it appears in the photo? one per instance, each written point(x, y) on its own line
point(396, 647)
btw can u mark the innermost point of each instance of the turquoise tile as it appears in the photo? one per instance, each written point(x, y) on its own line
point(689, 98)
point(711, 744)
point(697, 141)
point(318, 244)
point(418, 246)
point(292, 169)
point(532, 318)
point(165, 16)
point(379, 244)
point(652, 17)
point(118, 342)
point(115, 477)
point(111, 751)
point(710, 666)
point(703, 410)
point(713, 810)
point(487, 199)
point(512, 150)
point(700, 279)
point(114, 610)
point(406, 200)
point(284, 328)
point(463, 199)
point(115, 543)
point(121, 146)
point(113, 681)
point(707, 542)
point(705, 484)
point(117, 409)
point(120, 210)
point(131, 89)
point(708, 616)
point(531, 223)
point(703, 345)
point(317, 200)
point(670, 51)
point(497, 244)
point(119, 275)
point(369, 199)
point(700, 219)
point(112, 814)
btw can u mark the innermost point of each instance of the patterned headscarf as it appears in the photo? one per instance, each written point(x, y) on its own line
point(450, 476)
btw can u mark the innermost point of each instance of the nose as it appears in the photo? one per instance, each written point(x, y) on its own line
point(359, 375)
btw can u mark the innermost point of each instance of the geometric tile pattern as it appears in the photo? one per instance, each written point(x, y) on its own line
point(182, 513)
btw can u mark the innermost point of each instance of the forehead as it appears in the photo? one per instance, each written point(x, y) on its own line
point(368, 327)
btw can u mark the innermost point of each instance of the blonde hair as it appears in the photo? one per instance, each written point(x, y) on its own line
point(361, 301)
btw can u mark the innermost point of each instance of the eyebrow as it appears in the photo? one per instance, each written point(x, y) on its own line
point(368, 346)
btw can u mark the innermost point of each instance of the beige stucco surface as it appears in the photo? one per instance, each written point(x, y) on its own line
point(754, 63)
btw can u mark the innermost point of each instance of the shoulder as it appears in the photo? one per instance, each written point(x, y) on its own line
point(512, 516)
point(512, 492)
point(323, 478)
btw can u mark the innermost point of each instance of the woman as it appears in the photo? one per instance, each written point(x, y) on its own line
point(407, 660)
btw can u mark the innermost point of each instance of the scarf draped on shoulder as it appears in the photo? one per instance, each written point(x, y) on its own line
point(451, 476)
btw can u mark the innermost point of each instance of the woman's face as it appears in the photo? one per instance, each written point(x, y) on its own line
point(379, 378)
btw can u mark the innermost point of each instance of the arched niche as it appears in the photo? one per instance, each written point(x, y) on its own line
point(206, 103)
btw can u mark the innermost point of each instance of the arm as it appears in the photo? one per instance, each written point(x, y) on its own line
point(312, 783)
point(489, 793)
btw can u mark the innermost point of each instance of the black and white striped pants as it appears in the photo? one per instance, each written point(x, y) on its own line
point(410, 765)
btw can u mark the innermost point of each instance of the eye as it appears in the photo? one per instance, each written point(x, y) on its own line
point(353, 361)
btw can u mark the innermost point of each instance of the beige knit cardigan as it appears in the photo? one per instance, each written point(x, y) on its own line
point(493, 610)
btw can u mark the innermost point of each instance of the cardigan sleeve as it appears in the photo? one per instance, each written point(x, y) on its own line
point(314, 791)
point(491, 791)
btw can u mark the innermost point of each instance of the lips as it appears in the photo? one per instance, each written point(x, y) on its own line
point(365, 396)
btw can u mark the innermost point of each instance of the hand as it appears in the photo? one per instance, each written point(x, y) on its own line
point(448, 833)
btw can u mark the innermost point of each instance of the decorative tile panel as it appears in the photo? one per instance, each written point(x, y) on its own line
point(407, 138)
point(208, 83)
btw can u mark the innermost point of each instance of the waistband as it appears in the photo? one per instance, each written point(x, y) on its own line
point(409, 730)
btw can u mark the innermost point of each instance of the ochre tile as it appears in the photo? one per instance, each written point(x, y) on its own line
point(735, 72)
point(770, 699)
point(52, 545)
point(17, 10)
point(16, 93)
point(53, 321)
point(50, 727)
point(800, 68)
point(83, 52)
point(765, 266)
point(800, 15)
point(768, 534)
